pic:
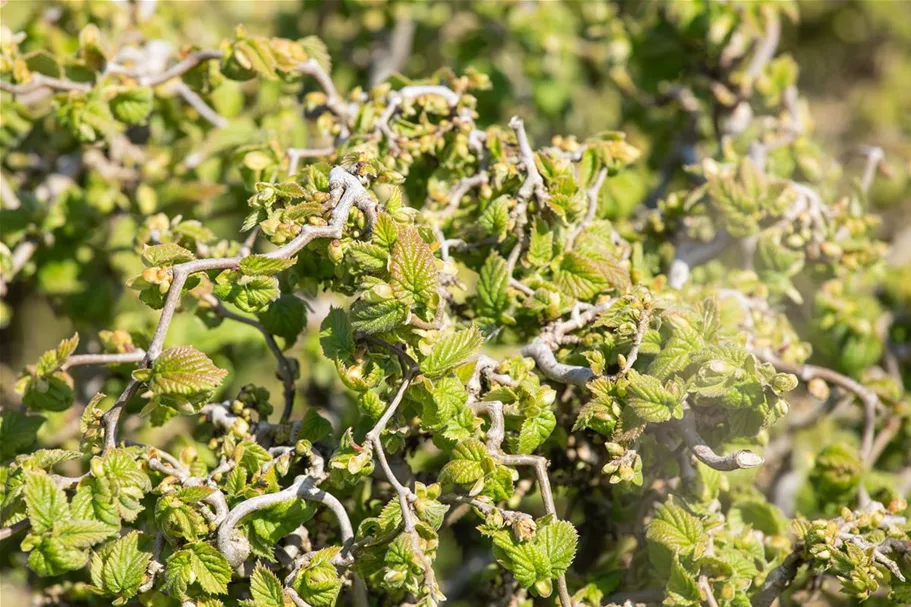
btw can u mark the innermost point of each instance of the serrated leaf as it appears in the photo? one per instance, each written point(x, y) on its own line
point(200, 563)
point(541, 244)
point(493, 298)
point(674, 356)
point(248, 293)
point(378, 316)
point(650, 400)
point(336, 335)
point(578, 276)
point(132, 106)
point(682, 590)
point(527, 560)
point(674, 531)
point(368, 257)
point(535, 431)
point(164, 255)
point(558, 540)
point(46, 502)
point(452, 350)
point(468, 464)
point(52, 360)
point(286, 317)
point(319, 583)
point(268, 526)
point(260, 265)
point(184, 370)
point(50, 557)
point(213, 572)
point(81, 534)
point(46, 458)
point(385, 232)
point(495, 218)
point(118, 486)
point(266, 588)
point(413, 268)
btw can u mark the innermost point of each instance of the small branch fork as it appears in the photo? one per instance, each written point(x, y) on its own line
point(405, 495)
point(235, 546)
point(285, 369)
point(808, 372)
point(541, 351)
point(346, 192)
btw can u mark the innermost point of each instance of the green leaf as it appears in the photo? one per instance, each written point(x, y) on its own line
point(452, 350)
point(165, 255)
point(268, 526)
point(493, 299)
point(413, 268)
point(121, 481)
point(178, 520)
point(18, 431)
point(535, 430)
point(49, 556)
point(469, 462)
point(319, 583)
point(674, 531)
point(336, 335)
point(495, 218)
point(541, 244)
point(200, 563)
point(368, 257)
point(248, 293)
point(286, 317)
point(52, 360)
point(650, 400)
point(132, 106)
point(579, 277)
point(378, 316)
point(52, 393)
point(682, 590)
point(261, 265)
point(184, 370)
point(674, 357)
point(266, 588)
point(558, 540)
point(81, 534)
point(46, 502)
point(213, 572)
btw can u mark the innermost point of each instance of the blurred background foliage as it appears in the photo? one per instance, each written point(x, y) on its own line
point(569, 68)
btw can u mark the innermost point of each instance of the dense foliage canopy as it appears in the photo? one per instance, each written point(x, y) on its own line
point(390, 343)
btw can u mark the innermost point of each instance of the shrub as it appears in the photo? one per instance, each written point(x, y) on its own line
point(463, 327)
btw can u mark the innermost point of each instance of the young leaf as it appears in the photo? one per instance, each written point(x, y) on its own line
point(493, 298)
point(336, 335)
point(413, 268)
point(266, 588)
point(318, 583)
point(46, 502)
point(132, 106)
point(469, 462)
point(249, 293)
point(261, 265)
point(452, 350)
point(184, 370)
point(650, 400)
point(378, 316)
point(558, 540)
point(121, 567)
